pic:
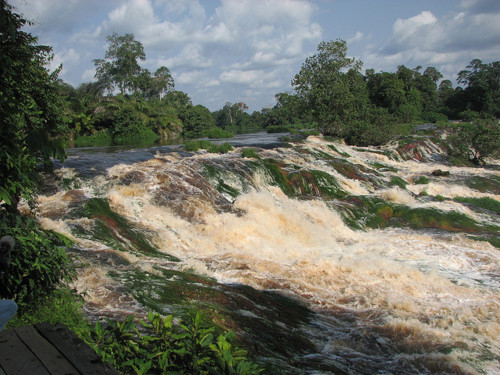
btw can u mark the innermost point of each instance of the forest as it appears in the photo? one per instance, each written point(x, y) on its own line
point(130, 104)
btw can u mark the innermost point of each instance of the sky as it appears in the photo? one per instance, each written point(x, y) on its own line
point(221, 51)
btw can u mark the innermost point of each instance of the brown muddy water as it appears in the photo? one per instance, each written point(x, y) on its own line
point(280, 250)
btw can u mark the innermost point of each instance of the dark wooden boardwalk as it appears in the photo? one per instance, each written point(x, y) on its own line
point(44, 349)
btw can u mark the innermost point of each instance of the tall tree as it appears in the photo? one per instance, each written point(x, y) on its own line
point(482, 89)
point(120, 66)
point(30, 116)
point(162, 82)
point(335, 97)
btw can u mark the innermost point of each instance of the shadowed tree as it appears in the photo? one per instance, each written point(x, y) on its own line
point(31, 124)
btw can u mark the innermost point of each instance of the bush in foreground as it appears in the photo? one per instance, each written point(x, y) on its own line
point(192, 347)
point(39, 261)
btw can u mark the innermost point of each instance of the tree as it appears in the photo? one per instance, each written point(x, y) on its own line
point(330, 85)
point(31, 126)
point(197, 120)
point(162, 81)
point(120, 67)
point(477, 140)
point(482, 86)
point(177, 99)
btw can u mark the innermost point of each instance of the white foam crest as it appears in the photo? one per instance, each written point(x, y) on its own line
point(449, 190)
point(396, 195)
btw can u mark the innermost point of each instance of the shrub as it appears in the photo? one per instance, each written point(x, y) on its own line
point(422, 180)
point(138, 136)
point(477, 140)
point(469, 115)
point(194, 146)
point(219, 133)
point(398, 181)
point(249, 153)
point(434, 117)
point(38, 261)
point(100, 138)
point(192, 347)
point(278, 129)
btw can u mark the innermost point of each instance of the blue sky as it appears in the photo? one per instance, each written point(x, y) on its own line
point(249, 50)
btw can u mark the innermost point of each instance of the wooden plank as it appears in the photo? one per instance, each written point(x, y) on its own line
point(16, 358)
point(81, 356)
point(48, 355)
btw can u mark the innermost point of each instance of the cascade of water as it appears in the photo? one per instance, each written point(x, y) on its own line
point(406, 298)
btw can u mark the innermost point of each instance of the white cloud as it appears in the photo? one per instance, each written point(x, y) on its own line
point(190, 56)
point(407, 28)
point(449, 43)
point(359, 36)
point(188, 77)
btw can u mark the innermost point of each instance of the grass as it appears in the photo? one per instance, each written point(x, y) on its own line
point(219, 133)
point(196, 145)
point(250, 153)
point(422, 180)
point(485, 203)
point(62, 306)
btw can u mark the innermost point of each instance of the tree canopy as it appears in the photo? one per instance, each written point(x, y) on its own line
point(120, 69)
point(31, 125)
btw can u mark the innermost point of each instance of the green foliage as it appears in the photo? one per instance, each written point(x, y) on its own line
point(120, 65)
point(330, 86)
point(197, 120)
point(422, 180)
point(219, 133)
point(398, 181)
point(233, 117)
point(194, 146)
point(278, 129)
point(482, 91)
point(61, 306)
point(100, 138)
point(38, 261)
point(469, 115)
point(434, 117)
point(249, 153)
point(485, 203)
point(477, 140)
point(192, 346)
point(31, 126)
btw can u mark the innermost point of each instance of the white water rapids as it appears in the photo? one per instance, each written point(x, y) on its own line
point(425, 287)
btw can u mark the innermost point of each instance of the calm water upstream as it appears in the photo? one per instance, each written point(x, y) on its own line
point(310, 292)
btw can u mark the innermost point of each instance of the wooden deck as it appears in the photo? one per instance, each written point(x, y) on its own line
point(45, 349)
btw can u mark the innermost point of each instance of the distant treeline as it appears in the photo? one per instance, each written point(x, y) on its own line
point(129, 104)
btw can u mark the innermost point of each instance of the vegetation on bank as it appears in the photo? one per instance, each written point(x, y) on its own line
point(331, 96)
point(33, 125)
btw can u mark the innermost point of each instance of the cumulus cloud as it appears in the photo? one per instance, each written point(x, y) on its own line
point(448, 42)
point(60, 15)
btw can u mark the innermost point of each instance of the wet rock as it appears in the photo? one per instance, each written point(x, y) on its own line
point(440, 173)
point(133, 177)
point(74, 197)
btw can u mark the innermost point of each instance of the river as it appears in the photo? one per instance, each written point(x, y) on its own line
point(324, 258)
